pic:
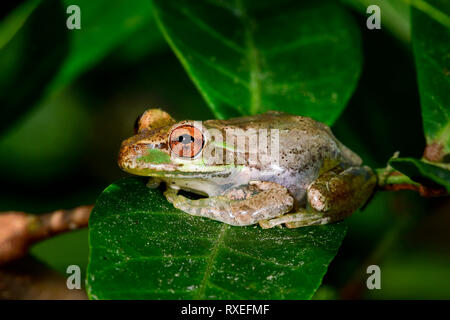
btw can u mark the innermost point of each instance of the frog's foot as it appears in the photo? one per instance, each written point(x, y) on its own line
point(338, 194)
point(333, 196)
point(297, 219)
point(240, 206)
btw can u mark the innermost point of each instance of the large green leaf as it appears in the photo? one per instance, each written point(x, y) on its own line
point(247, 57)
point(431, 43)
point(143, 248)
point(40, 55)
point(422, 171)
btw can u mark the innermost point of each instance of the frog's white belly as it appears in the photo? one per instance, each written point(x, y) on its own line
point(208, 185)
point(296, 182)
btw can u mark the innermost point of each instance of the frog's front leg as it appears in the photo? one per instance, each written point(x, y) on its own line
point(153, 183)
point(333, 196)
point(239, 206)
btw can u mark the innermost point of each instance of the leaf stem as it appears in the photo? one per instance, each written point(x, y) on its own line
point(389, 176)
point(392, 180)
point(209, 265)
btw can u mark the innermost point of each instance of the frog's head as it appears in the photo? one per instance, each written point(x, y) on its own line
point(163, 147)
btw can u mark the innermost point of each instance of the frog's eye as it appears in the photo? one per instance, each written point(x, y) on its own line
point(186, 141)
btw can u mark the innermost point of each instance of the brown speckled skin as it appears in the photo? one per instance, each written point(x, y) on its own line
point(315, 172)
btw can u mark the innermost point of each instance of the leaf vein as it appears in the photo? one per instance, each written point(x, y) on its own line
point(210, 262)
point(218, 68)
point(224, 290)
point(300, 43)
point(209, 30)
point(239, 252)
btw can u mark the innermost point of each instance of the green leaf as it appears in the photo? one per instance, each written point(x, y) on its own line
point(431, 44)
point(143, 248)
point(247, 57)
point(420, 171)
point(103, 27)
point(31, 59)
point(41, 55)
point(15, 20)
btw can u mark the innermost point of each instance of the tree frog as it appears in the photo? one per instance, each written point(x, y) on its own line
point(273, 169)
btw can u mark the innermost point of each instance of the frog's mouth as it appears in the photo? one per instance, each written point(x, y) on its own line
point(174, 170)
point(180, 175)
point(178, 170)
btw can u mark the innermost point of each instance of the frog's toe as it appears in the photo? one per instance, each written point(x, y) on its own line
point(306, 223)
point(265, 224)
point(171, 195)
point(297, 219)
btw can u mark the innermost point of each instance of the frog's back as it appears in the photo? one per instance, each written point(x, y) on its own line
point(302, 140)
point(268, 120)
point(306, 149)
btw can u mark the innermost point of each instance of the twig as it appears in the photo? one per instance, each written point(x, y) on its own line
point(19, 230)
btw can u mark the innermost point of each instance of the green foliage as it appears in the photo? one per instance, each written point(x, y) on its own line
point(420, 171)
point(143, 248)
point(30, 153)
point(24, 81)
point(104, 26)
point(15, 20)
point(431, 43)
point(48, 63)
point(247, 57)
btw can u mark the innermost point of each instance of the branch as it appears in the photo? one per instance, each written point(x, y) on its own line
point(19, 230)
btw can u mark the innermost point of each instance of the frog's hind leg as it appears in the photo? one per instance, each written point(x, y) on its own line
point(239, 206)
point(331, 197)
